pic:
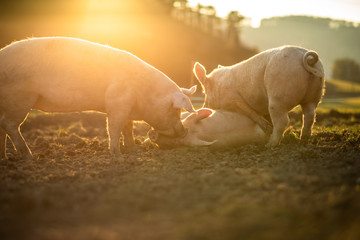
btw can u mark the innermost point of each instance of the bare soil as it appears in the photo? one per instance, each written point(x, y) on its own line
point(75, 190)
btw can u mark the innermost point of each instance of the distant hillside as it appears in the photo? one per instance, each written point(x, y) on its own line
point(341, 88)
point(332, 39)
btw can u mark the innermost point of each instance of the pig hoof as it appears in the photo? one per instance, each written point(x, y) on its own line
point(271, 145)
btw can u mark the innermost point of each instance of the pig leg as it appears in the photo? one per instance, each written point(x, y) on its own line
point(2, 144)
point(260, 120)
point(128, 133)
point(11, 124)
point(119, 102)
point(115, 124)
point(308, 120)
point(280, 120)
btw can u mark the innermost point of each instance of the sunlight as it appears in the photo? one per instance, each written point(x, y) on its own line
point(103, 19)
point(106, 6)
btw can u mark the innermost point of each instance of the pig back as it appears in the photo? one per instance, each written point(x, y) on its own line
point(246, 79)
point(68, 74)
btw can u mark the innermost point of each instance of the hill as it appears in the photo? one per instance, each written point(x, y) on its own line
point(341, 88)
point(331, 38)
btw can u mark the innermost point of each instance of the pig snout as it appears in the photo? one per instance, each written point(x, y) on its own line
point(180, 131)
point(177, 131)
point(153, 135)
point(164, 141)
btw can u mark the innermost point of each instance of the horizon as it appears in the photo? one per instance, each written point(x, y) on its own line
point(347, 10)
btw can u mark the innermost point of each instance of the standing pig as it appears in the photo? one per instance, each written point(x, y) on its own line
point(272, 82)
point(60, 74)
point(209, 127)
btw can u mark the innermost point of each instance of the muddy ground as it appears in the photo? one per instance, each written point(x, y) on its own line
point(73, 189)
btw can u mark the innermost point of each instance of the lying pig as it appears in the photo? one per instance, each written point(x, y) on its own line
point(60, 74)
point(272, 82)
point(209, 127)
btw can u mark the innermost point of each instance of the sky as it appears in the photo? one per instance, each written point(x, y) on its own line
point(257, 9)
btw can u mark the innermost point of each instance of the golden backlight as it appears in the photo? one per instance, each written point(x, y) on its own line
point(143, 27)
point(103, 21)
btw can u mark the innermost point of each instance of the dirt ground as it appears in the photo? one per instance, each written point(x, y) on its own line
point(73, 189)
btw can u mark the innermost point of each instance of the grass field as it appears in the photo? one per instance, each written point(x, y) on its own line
point(75, 190)
point(342, 86)
point(341, 95)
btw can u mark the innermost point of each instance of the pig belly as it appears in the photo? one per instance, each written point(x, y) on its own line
point(60, 100)
point(230, 128)
point(240, 137)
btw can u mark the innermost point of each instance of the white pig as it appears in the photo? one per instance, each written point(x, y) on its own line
point(272, 82)
point(209, 127)
point(60, 74)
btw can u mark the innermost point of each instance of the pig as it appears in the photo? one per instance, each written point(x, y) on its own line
point(61, 74)
point(270, 83)
point(219, 128)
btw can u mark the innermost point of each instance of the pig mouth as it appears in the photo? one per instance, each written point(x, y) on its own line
point(183, 133)
point(175, 133)
point(164, 139)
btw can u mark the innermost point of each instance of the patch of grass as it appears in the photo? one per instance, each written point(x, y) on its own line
point(351, 104)
point(343, 86)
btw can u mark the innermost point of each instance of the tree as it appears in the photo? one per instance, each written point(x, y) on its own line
point(170, 3)
point(233, 20)
point(346, 69)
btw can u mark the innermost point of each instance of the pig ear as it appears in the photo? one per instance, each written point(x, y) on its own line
point(200, 72)
point(185, 115)
point(182, 101)
point(200, 114)
point(190, 91)
point(205, 112)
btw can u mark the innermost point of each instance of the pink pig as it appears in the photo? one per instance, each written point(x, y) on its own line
point(270, 83)
point(209, 127)
point(60, 74)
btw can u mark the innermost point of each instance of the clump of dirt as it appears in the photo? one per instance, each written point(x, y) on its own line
point(74, 189)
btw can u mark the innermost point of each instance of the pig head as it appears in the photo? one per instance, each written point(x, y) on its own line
point(162, 110)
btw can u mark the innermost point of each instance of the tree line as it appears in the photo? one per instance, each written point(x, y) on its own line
point(206, 20)
point(346, 69)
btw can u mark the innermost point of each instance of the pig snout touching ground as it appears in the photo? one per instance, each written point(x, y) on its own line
point(219, 128)
point(59, 74)
point(269, 84)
